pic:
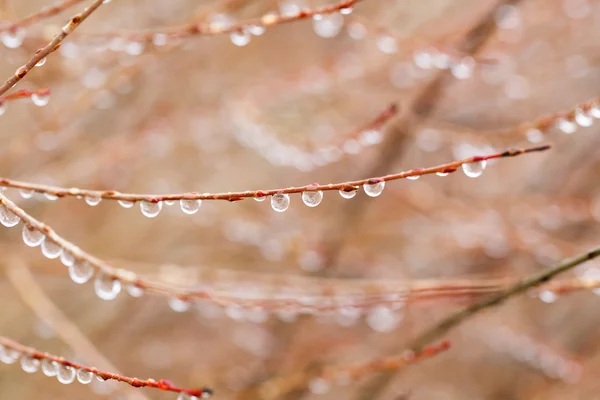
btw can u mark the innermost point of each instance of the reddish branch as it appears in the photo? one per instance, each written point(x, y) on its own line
point(23, 94)
point(45, 12)
point(52, 46)
point(235, 196)
point(161, 384)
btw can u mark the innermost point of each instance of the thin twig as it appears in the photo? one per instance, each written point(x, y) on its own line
point(235, 196)
point(23, 94)
point(45, 12)
point(52, 46)
point(161, 384)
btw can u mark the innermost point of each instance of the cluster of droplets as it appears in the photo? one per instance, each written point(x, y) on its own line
point(65, 374)
point(583, 118)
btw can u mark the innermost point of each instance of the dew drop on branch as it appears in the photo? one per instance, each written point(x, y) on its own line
point(125, 203)
point(65, 374)
point(30, 364)
point(534, 135)
point(348, 194)
point(49, 367)
point(84, 377)
point(374, 189)
point(93, 201)
point(80, 272)
point(260, 199)
point(474, 169)
point(190, 206)
point(240, 38)
point(547, 296)
point(51, 249)
point(106, 287)
point(312, 198)
point(179, 305)
point(32, 237)
point(280, 202)
point(413, 178)
point(565, 126)
point(41, 62)
point(150, 209)
point(50, 196)
point(8, 218)
point(441, 173)
point(13, 39)
point(134, 290)
point(169, 202)
point(382, 319)
point(328, 26)
point(8, 356)
point(40, 99)
point(67, 258)
point(26, 193)
point(583, 119)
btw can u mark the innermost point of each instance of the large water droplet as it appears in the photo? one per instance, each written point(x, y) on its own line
point(30, 364)
point(8, 218)
point(125, 203)
point(106, 287)
point(240, 38)
point(32, 237)
point(474, 169)
point(374, 189)
point(382, 319)
point(8, 356)
point(13, 39)
point(40, 99)
point(65, 374)
point(93, 201)
point(150, 209)
point(312, 198)
point(328, 26)
point(190, 206)
point(84, 376)
point(583, 119)
point(50, 249)
point(348, 194)
point(81, 271)
point(49, 367)
point(280, 202)
point(26, 193)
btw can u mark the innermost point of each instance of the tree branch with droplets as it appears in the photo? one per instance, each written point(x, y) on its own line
point(67, 371)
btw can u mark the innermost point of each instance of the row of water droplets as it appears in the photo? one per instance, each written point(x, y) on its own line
point(65, 374)
point(583, 119)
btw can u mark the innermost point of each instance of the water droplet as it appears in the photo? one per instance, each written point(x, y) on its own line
point(49, 367)
point(423, 59)
point(260, 199)
point(441, 173)
point(464, 68)
point(134, 290)
point(8, 218)
point(8, 356)
point(240, 38)
point(565, 126)
point(312, 198)
point(41, 62)
point(65, 374)
point(150, 209)
point(318, 386)
point(280, 202)
point(26, 194)
point(547, 296)
point(179, 305)
point(346, 10)
point(583, 119)
point(183, 396)
point(190, 206)
point(125, 203)
point(348, 194)
point(413, 178)
point(13, 39)
point(474, 169)
point(32, 237)
point(67, 258)
point(370, 137)
point(382, 319)
point(93, 201)
point(169, 202)
point(134, 48)
point(84, 376)
point(256, 30)
point(534, 135)
point(50, 196)
point(328, 26)
point(40, 99)
point(374, 189)
point(594, 111)
point(30, 364)
point(81, 271)
point(106, 287)
point(387, 44)
point(50, 249)
point(2, 107)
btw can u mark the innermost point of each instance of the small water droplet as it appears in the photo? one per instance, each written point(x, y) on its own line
point(346, 10)
point(26, 194)
point(8, 356)
point(150, 209)
point(387, 44)
point(474, 169)
point(374, 189)
point(50, 196)
point(190, 206)
point(49, 367)
point(13, 39)
point(32, 237)
point(328, 26)
point(169, 202)
point(312, 198)
point(534, 135)
point(256, 30)
point(565, 126)
point(348, 194)
point(280, 202)
point(413, 178)
point(441, 173)
point(106, 287)
point(8, 218)
point(318, 386)
point(67, 258)
point(183, 396)
point(125, 203)
point(240, 38)
point(40, 99)
point(583, 119)
point(84, 376)
point(65, 374)
point(41, 62)
point(51, 249)
point(134, 290)
point(30, 364)
point(81, 271)
point(382, 319)
point(93, 201)
point(594, 111)
point(464, 68)
point(547, 296)
point(260, 199)
point(179, 305)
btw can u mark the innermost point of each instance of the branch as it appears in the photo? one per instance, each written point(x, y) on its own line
point(85, 374)
point(24, 94)
point(52, 46)
point(45, 12)
point(350, 186)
